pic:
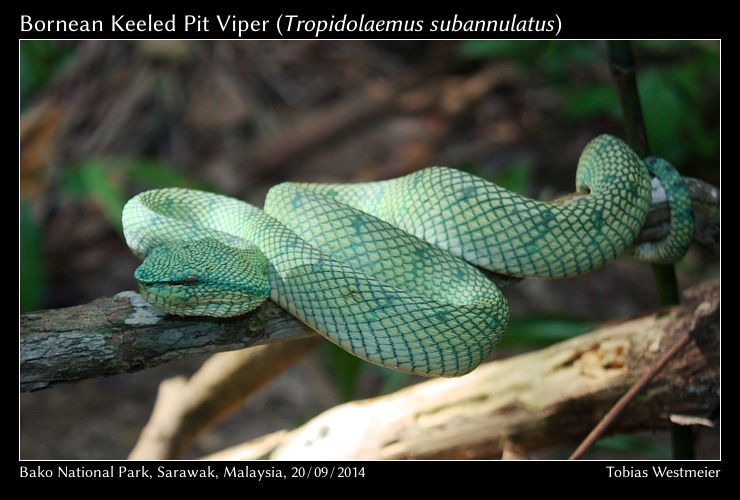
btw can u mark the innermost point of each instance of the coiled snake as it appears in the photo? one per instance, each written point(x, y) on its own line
point(383, 269)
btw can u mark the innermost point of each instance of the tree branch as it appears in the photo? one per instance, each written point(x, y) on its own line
point(705, 202)
point(124, 334)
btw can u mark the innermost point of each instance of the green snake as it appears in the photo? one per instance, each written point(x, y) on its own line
point(387, 269)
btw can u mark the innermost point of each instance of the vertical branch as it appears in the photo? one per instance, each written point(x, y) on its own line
point(622, 67)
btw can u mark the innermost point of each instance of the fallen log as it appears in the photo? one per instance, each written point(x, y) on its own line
point(539, 399)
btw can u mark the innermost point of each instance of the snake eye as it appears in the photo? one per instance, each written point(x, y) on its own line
point(190, 279)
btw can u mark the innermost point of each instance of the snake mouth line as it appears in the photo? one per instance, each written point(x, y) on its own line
point(154, 284)
point(187, 281)
point(190, 285)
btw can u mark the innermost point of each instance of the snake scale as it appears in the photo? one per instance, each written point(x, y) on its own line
point(387, 269)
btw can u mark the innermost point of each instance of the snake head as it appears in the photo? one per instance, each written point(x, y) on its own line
point(203, 277)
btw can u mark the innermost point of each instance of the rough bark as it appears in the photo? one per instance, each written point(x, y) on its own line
point(125, 334)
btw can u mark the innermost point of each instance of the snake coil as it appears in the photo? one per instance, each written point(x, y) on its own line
point(386, 270)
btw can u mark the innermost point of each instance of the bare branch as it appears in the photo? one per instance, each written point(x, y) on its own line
point(124, 334)
point(705, 201)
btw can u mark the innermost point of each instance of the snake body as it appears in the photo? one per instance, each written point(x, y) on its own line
point(386, 269)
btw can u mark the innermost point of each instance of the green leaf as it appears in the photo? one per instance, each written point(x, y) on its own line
point(104, 181)
point(512, 49)
point(597, 99)
point(32, 275)
point(516, 177)
point(665, 113)
point(393, 380)
point(38, 61)
point(632, 444)
point(344, 368)
point(158, 174)
point(680, 103)
point(543, 330)
point(95, 179)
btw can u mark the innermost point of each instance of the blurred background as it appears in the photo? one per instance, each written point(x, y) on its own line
point(103, 120)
